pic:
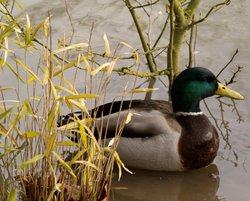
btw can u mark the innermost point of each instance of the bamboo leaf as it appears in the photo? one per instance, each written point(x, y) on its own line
point(12, 195)
point(70, 47)
point(5, 88)
point(87, 65)
point(15, 73)
point(65, 165)
point(31, 161)
point(31, 134)
point(38, 27)
point(28, 30)
point(8, 111)
point(5, 52)
point(32, 74)
point(64, 89)
point(140, 90)
point(52, 115)
point(128, 119)
point(78, 96)
point(111, 67)
point(75, 124)
point(45, 75)
point(66, 143)
point(94, 72)
point(55, 188)
point(126, 44)
point(120, 165)
point(81, 105)
point(77, 156)
point(53, 89)
point(83, 134)
point(50, 144)
point(106, 45)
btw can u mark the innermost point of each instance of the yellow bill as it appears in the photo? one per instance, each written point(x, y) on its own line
point(225, 91)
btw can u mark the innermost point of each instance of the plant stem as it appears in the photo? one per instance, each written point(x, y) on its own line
point(146, 48)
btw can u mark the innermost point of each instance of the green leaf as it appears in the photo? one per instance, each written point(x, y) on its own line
point(31, 161)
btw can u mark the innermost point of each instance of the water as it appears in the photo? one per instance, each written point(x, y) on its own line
point(218, 38)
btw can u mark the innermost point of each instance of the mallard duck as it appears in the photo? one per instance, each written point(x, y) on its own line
point(166, 136)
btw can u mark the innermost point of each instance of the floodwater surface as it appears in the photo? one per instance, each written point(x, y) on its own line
point(228, 179)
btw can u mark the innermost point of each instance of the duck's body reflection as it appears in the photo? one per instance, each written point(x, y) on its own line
point(193, 185)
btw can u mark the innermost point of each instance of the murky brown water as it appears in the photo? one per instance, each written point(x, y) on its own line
point(219, 37)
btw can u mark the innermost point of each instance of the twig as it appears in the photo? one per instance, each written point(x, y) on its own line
point(226, 2)
point(145, 5)
point(190, 47)
point(230, 61)
point(161, 34)
point(234, 75)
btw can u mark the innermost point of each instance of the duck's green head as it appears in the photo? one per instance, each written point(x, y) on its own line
point(195, 84)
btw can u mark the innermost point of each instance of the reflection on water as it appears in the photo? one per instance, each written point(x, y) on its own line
point(193, 185)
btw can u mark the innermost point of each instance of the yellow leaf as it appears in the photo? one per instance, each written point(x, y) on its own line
point(64, 89)
point(50, 144)
point(32, 74)
point(78, 96)
point(141, 90)
point(83, 135)
point(53, 89)
point(65, 165)
point(88, 67)
point(45, 75)
point(70, 47)
point(67, 143)
point(128, 119)
point(31, 161)
point(12, 195)
point(75, 124)
point(136, 56)
point(77, 156)
point(106, 45)
point(31, 134)
point(126, 44)
point(120, 165)
point(94, 72)
point(28, 30)
point(52, 115)
point(111, 66)
point(55, 188)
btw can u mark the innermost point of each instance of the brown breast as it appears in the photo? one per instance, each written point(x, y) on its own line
point(199, 141)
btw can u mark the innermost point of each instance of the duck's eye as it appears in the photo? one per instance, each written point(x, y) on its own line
point(206, 79)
